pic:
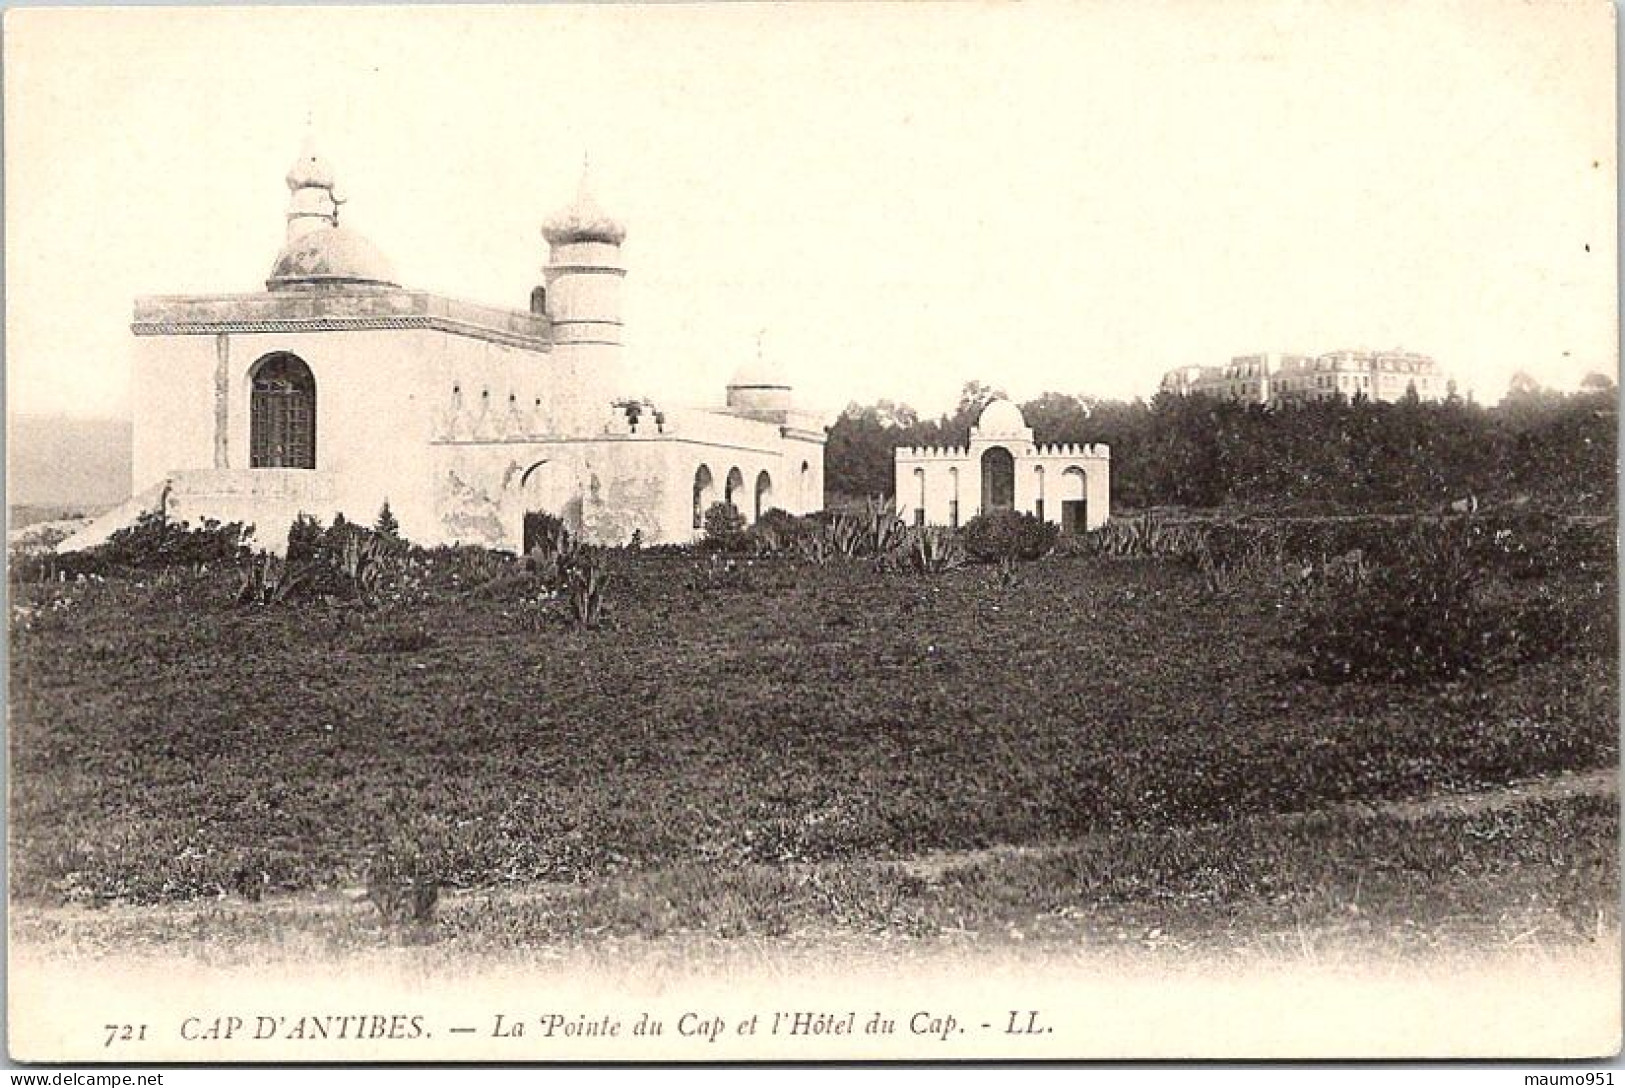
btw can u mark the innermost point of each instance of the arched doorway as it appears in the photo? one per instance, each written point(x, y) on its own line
point(705, 493)
point(764, 494)
point(998, 479)
point(282, 413)
point(1074, 501)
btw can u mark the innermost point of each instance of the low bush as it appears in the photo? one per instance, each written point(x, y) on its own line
point(551, 549)
point(1428, 613)
point(386, 526)
point(1006, 534)
point(154, 543)
point(725, 528)
point(460, 567)
point(404, 888)
point(1148, 537)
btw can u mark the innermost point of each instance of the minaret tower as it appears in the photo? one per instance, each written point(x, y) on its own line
point(585, 274)
point(313, 202)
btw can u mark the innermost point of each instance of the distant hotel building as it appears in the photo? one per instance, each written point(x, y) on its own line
point(1283, 379)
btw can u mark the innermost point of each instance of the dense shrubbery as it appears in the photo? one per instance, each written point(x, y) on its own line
point(1326, 457)
point(154, 543)
point(343, 561)
point(1432, 610)
point(1006, 534)
point(1401, 599)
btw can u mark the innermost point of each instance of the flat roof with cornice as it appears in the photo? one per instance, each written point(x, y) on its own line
point(332, 310)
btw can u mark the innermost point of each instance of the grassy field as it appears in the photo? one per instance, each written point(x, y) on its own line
point(763, 747)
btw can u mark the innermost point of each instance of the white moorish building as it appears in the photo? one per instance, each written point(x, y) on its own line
point(1002, 468)
point(336, 389)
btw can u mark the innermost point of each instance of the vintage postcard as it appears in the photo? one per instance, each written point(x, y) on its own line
point(812, 532)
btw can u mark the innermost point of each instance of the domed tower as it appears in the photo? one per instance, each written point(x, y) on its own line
point(759, 389)
point(584, 277)
point(319, 253)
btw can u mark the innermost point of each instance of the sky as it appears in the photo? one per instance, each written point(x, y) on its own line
point(896, 199)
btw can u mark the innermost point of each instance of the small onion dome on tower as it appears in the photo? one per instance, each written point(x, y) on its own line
point(583, 221)
point(319, 252)
point(1002, 419)
point(310, 170)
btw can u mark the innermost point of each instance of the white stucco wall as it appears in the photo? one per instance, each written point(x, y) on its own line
point(462, 433)
point(950, 472)
point(172, 407)
point(606, 487)
point(373, 414)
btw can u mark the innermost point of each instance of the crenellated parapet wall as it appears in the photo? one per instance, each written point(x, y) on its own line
point(1001, 467)
point(1071, 449)
point(959, 453)
point(932, 453)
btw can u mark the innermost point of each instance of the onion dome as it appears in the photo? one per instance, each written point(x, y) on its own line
point(318, 252)
point(310, 170)
point(583, 221)
point(330, 257)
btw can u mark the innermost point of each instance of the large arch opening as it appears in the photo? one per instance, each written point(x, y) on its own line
point(705, 493)
point(282, 413)
point(764, 493)
point(733, 490)
point(1074, 501)
point(998, 480)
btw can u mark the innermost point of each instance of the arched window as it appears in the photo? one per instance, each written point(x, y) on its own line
point(705, 489)
point(538, 301)
point(804, 490)
point(953, 497)
point(764, 493)
point(282, 413)
point(919, 496)
point(731, 490)
point(1038, 503)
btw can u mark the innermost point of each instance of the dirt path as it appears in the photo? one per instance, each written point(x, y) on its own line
point(1600, 783)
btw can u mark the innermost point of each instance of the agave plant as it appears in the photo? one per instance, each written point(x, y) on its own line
point(266, 580)
point(587, 580)
point(556, 552)
point(883, 533)
point(934, 549)
point(815, 547)
point(360, 560)
point(845, 535)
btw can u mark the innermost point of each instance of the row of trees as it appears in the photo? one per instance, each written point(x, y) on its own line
point(1550, 448)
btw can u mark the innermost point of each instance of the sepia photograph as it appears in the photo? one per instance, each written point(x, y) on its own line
point(796, 532)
